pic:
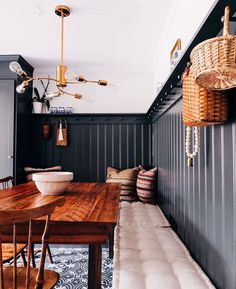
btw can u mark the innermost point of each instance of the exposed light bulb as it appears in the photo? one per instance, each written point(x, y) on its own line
point(88, 99)
point(71, 76)
point(15, 67)
point(112, 86)
point(51, 95)
point(20, 88)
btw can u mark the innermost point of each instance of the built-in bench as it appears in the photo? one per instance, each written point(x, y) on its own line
point(149, 255)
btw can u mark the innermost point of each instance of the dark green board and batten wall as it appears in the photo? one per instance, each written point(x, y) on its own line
point(94, 142)
point(200, 202)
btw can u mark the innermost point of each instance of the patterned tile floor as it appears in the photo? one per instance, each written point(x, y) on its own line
point(72, 265)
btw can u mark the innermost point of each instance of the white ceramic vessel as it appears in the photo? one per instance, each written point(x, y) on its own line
point(52, 183)
point(37, 106)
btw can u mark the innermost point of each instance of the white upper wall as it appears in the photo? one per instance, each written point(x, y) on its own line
point(126, 42)
point(183, 21)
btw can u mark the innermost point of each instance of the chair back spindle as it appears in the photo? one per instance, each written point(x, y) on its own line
point(29, 255)
point(15, 258)
point(1, 264)
point(43, 254)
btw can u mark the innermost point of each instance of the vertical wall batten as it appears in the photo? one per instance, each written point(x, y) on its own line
point(98, 155)
point(127, 144)
point(213, 188)
point(200, 202)
point(222, 196)
point(112, 145)
point(90, 153)
point(120, 136)
point(142, 144)
point(198, 211)
point(134, 144)
point(205, 252)
point(105, 148)
point(234, 198)
point(150, 141)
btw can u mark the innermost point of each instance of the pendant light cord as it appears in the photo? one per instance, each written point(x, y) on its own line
point(62, 39)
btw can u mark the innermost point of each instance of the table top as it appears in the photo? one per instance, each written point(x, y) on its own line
point(84, 202)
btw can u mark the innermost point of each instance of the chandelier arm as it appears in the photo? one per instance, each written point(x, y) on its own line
point(65, 92)
point(84, 81)
point(73, 82)
point(92, 81)
point(28, 79)
point(44, 78)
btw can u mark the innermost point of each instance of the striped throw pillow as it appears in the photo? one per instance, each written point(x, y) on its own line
point(146, 185)
point(127, 178)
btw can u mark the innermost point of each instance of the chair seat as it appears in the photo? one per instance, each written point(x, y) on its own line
point(8, 251)
point(50, 278)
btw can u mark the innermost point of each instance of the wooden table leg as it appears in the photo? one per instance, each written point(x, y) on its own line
point(33, 255)
point(95, 266)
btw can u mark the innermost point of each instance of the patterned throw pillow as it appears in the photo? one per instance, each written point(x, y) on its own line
point(29, 171)
point(146, 185)
point(127, 178)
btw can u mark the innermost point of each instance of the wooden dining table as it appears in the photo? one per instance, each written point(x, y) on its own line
point(88, 216)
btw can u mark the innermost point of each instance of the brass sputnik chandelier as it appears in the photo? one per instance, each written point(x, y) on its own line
point(63, 78)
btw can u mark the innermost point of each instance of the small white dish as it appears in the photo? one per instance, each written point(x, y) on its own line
point(52, 183)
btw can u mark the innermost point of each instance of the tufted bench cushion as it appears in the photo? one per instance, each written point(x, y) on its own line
point(140, 214)
point(154, 258)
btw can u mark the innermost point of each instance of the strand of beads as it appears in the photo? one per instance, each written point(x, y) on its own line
point(196, 145)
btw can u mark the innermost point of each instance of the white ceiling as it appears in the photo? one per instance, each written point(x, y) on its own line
point(105, 36)
point(97, 33)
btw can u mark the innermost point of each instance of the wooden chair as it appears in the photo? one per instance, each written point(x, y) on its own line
point(14, 277)
point(8, 254)
point(8, 249)
point(6, 182)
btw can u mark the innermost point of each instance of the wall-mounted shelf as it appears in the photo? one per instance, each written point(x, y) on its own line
point(91, 118)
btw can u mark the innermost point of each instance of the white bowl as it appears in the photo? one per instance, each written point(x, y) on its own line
point(52, 183)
